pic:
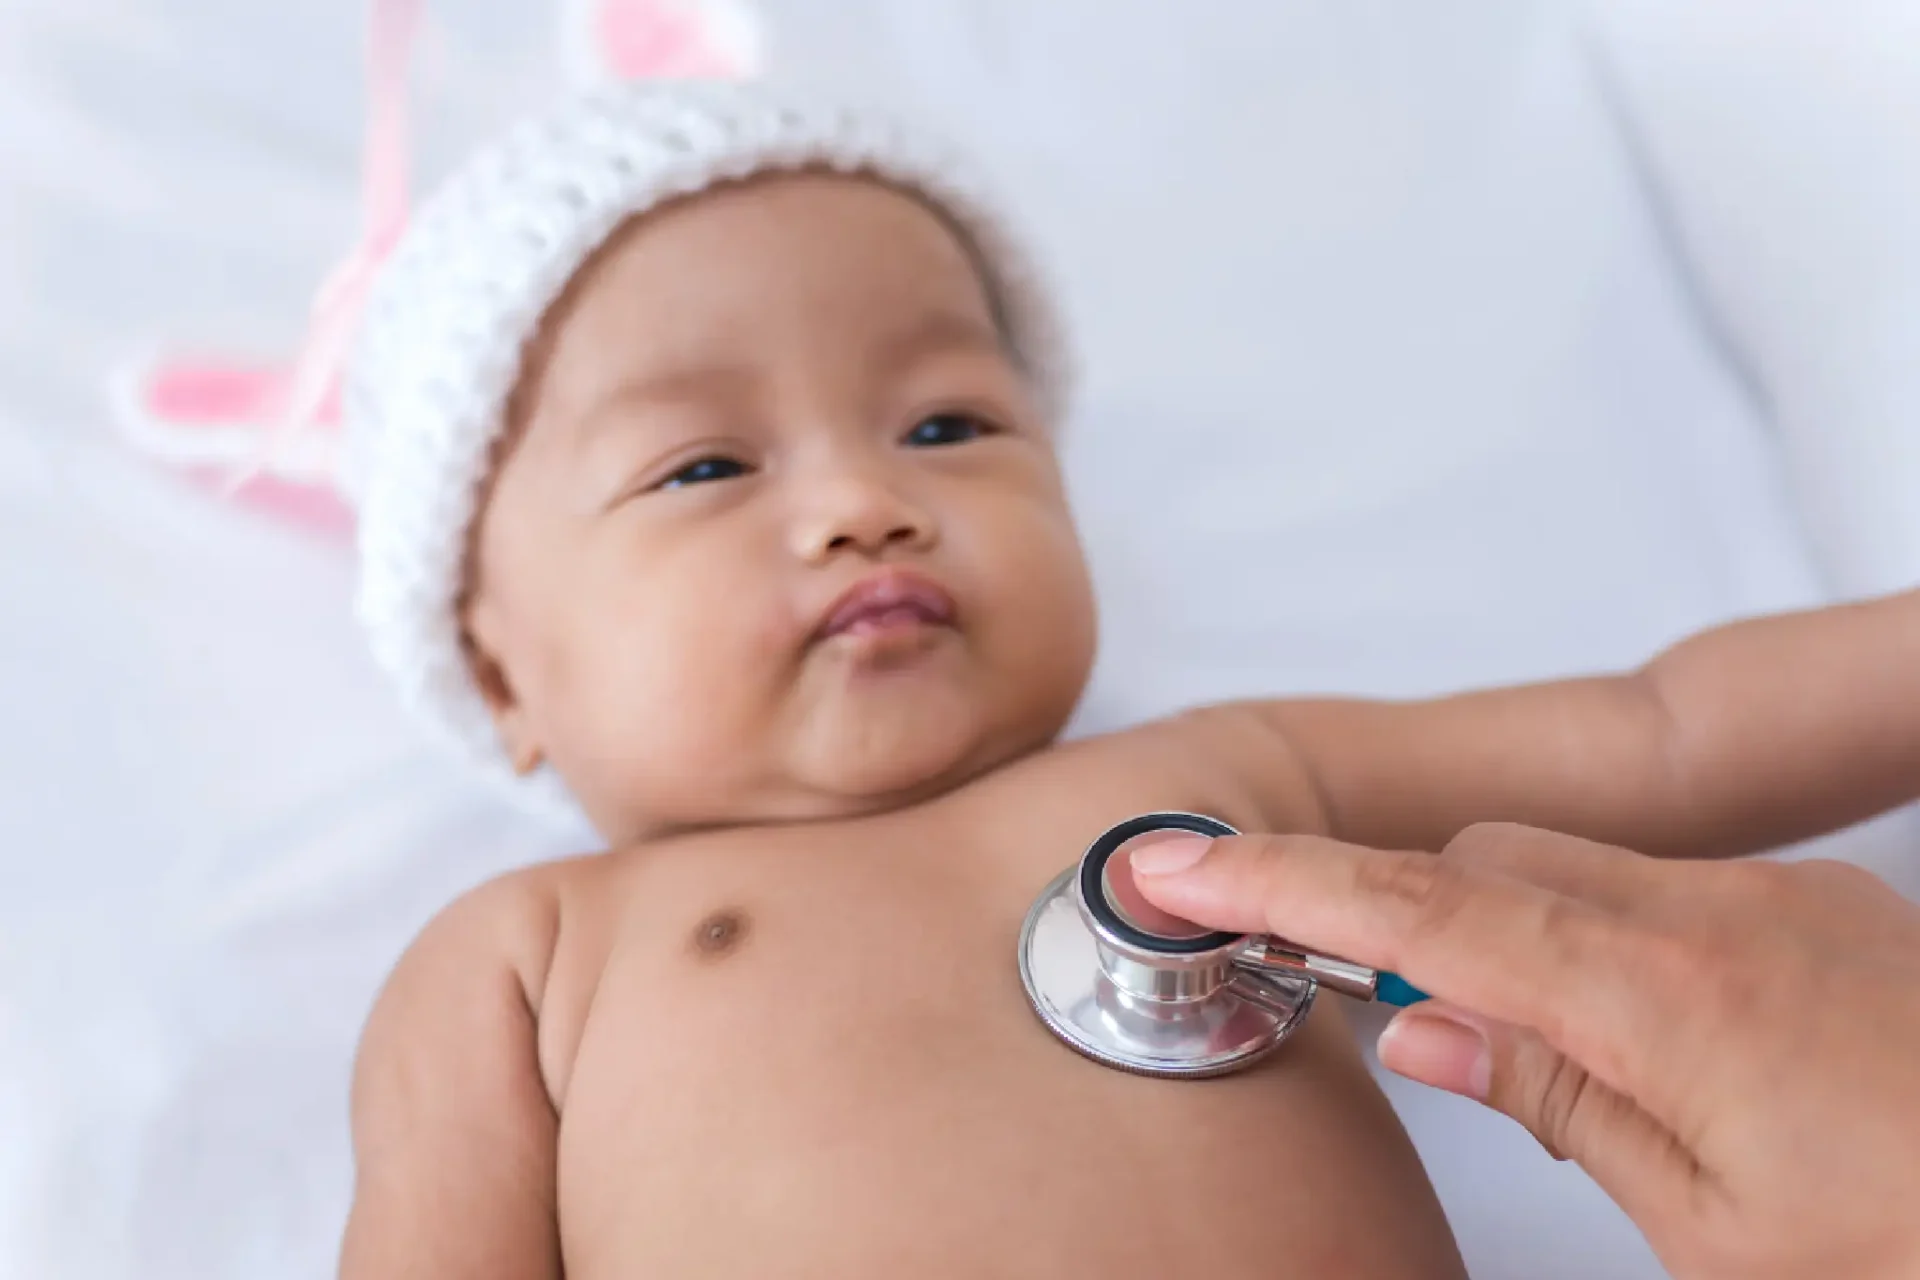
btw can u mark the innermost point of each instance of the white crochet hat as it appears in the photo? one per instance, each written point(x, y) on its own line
point(439, 348)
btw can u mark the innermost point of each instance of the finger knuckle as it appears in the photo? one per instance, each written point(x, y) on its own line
point(1430, 890)
point(1760, 882)
point(1564, 922)
point(1485, 840)
point(1569, 937)
point(1837, 877)
point(1565, 1095)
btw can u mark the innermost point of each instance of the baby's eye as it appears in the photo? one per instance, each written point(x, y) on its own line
point(703, 471)
point(946, 428)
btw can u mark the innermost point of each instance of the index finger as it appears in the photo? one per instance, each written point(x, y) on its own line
point(1588, 981)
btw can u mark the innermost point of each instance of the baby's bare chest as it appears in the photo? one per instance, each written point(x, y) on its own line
point(838, 917)
point(826, 1026)
point(891, 939)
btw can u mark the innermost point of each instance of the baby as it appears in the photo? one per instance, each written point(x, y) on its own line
point(708, 481)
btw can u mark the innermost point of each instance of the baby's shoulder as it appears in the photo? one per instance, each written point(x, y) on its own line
point(505, 928)
point(512, 919)
point(482, 967)
point(1169, 764)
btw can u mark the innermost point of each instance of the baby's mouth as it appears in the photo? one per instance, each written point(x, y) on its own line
point(892, 604)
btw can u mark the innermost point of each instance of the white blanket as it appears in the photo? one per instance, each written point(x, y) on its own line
point(1397, 382)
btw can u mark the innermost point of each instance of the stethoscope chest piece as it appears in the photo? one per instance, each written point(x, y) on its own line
point(1135, 989)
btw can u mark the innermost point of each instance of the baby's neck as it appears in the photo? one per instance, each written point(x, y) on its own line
point(802, 805)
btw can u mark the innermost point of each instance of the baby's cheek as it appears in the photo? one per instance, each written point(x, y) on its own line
point(652, 729)
point(1053, 622)
point(699, 682)
point(1051, 578)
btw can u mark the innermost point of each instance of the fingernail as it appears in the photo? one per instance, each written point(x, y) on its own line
point(1439, 1047)
point(1165, 857)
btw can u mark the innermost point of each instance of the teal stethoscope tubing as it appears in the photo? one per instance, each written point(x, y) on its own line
point(1397, 991)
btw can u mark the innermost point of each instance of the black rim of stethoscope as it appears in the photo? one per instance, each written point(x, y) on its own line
point(1093, 892)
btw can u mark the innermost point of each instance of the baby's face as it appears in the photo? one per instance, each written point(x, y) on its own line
point(780, 534)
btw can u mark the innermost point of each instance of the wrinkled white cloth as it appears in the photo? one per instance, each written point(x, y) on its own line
point(1376, 311)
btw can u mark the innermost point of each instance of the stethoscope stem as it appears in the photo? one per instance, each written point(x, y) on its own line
point(1277, 956)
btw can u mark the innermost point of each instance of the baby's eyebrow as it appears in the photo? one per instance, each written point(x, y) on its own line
point(933, 333)
point(681, 386)
point(938, 332)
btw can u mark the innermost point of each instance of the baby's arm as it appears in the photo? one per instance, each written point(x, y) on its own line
point(1737, 740)
point(454, 1133)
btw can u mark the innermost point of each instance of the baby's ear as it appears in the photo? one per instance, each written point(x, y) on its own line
point(510, 719)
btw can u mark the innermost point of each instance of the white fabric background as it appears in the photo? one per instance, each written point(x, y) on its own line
point(1785, 137)
point(1402, 377)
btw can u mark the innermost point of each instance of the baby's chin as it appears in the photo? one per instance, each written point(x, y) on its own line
point(891, 729)
point(864, 759)
point(869, 773)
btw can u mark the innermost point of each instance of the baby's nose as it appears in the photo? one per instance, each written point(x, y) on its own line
point(862, 515)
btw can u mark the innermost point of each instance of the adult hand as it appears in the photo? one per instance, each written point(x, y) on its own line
point(1731, 1050)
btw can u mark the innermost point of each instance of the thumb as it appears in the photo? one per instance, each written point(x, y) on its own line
point(1569, 1112)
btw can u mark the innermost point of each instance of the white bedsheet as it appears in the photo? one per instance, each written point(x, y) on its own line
point(1394, 385)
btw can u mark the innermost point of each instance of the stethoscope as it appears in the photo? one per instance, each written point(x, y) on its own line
point(1144, 992)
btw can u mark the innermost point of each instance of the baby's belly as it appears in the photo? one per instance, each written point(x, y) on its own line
point(844, 1079)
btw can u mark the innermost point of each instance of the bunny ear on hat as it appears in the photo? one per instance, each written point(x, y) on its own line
point(208, 418)
point(264, 432)
point(608, 41)
point(393, 404)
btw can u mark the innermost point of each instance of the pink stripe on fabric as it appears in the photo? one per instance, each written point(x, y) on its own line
point(189, 395)
point(186, 395)
point(391, 28)
point(648, 38)
point(315, 508)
